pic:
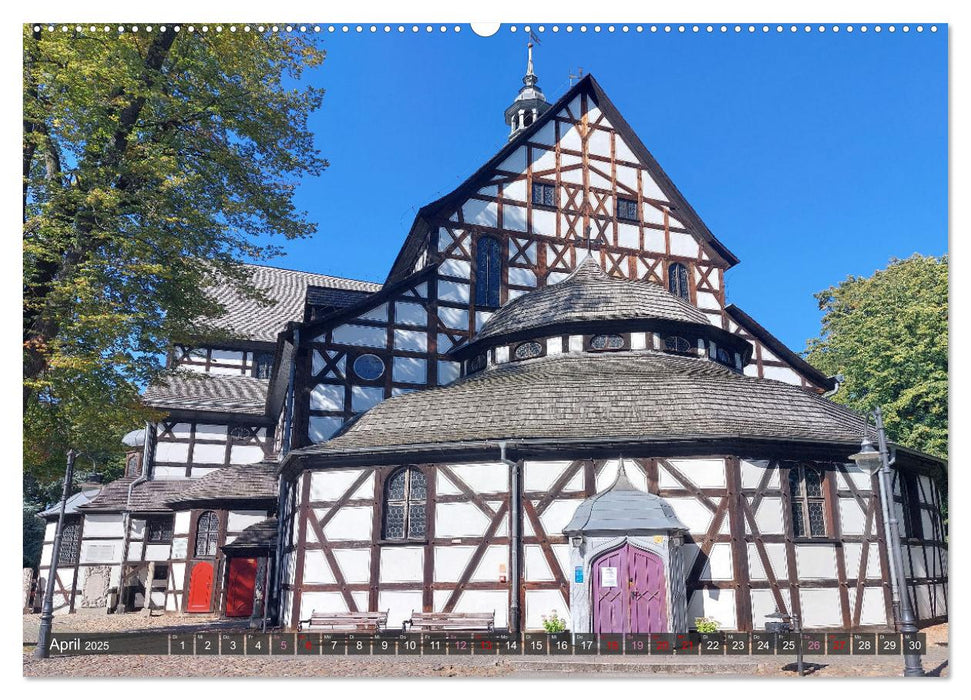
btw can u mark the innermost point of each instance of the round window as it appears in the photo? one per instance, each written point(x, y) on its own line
point(525, 351)
point(674, 343)
point(369, 367)
point(607, 342)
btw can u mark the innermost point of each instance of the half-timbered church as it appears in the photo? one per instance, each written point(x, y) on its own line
point(548, 405)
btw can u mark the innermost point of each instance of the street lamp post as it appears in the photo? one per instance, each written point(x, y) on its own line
point(877, 461)
point(42, 650)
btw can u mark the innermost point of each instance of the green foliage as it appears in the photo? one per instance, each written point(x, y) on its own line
point(553, 623)
point(706, 625)
point(151, 162)
point(887, 335)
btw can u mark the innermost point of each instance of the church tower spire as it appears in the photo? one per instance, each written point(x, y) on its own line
point(529, 103)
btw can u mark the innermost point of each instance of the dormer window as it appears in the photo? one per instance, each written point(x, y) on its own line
point(544, 194)
point(627, 209)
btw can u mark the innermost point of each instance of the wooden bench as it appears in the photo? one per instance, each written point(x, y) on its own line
point(445, 622)
point(345, 622)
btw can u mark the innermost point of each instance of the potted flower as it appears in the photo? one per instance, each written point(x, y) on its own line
point(553, 623)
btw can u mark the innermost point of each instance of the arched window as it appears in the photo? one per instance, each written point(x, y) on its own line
point(607, 342)
point(488, 271)
point(675, 343)
point(678, 280)
point(404, 504)
point(807, 502)
point(723, 356)
point(207, 534)
point(528, 350)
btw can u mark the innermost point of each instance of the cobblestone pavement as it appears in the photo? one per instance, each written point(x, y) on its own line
point(132, 622)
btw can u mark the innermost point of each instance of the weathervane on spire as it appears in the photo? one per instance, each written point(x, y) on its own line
point(578, 76)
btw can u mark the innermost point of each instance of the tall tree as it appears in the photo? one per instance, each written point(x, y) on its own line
point(887, 334)
point(151, 162)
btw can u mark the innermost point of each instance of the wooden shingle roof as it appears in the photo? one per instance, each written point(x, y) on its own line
point(249, 482)
point(195, 391)
point(146, 497)
point(641, 396)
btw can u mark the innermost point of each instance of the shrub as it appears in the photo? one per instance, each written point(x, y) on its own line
point(553, 623)
point(706, 625)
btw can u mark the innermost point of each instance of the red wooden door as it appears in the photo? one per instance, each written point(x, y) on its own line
point(200, 587)
point(628, 592)
point(242, 584)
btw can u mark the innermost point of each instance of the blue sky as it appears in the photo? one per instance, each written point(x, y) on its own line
point(812, 156)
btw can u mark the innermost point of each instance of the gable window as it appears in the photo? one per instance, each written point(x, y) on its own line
point(544, 194)
point(675, 343)
point(488, 271)
point(404, 504)
point(807, 502)
point(607, 342)
point(678, 280)
point(910, 492)
point(207, 534)
point(70, 544)
point(627, 209)
point(263, 365)
point(159, 528)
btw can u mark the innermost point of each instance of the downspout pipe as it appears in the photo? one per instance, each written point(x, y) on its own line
point(148, 458)
point(515, 537)
point(276, 615)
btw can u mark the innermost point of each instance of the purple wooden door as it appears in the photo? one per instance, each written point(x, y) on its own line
point(628, 592)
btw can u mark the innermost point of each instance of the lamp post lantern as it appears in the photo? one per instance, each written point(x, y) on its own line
point(877, 461)
point(90, 489)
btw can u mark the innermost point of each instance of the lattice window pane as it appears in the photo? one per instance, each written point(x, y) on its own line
point(416, 520)
point(525, 351)
point(814, 487)
point(396, 486)
point(798, 520)
point(795, 484)
point(417, 485)
point(817, 524)
point(394, 522)
point(70, 544)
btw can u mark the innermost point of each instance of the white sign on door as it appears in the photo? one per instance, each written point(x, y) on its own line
point(608, 576)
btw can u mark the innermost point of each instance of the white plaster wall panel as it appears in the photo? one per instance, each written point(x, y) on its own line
point(576, 483)
point(413, 341)
point(399, 605)
point(599, 143)
point(776, 553)
point(378, 313)
point(562, 554)
point(349, 523)
point(554, 346)
point(528, 249)
point(453, 291)
point(716, 603)
point(539, 603)
point(322, 602)
point(653, 215)
point(489, 477)
point(514, 294)
point(101, 552)
point(459, 520)
point(556, 277)
point(136, 530)
point(707, 300)
point(576, 343)
point(181, 523)
point(450, 562)
point(769, 516)
point(546, 135)
point(444, 343)
point(918, 570)
point(536, 567)
point(815, 561)
point(453, 318)
point(752, 473)
point(514, 217)
point(412, 370)
point(502, 355)
point(665, 480)
point(928, 524)
point(316, 569)
point(171, 452)
point(704, 473)
point(926, 489)
point(751, 371)
point(608, 474)
point(485, 601)
point(544, 222)
point(719, 564)
point(539, 476)
point(820, 607)
point(628, 236)
point(327, 397)
point(209, 431)
point(242, 519)
point(852, 517)
point(638, 341)
point(515, 162)
point(407, 313)
point(494, 563)
point(764, 604)
point(713, 279)
point(558, 515)
point(455, 268)
point(683, 244)
point(502, 530)
point(515, 190)
point(353, 334)
point(627, 176)
point(636, 476)
point(781, 374)
point(321, 428)
point(622, 151)
point(364, 397)
point(448, 371)
point(208, 454)
point(600, 182)
point(872, 611)
point(402, 564)
point(570, 138)
point(245, 454)
point(674, 223)
point(522, 276)
point(180, 547)
point(490, 191)
point(134, 551)
point(480, 213)
point(157, 552)
point(104, 525)
point(181, 431)
point(444, 485)
point(355, 565)
point(853, 554)
point(695, 516)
